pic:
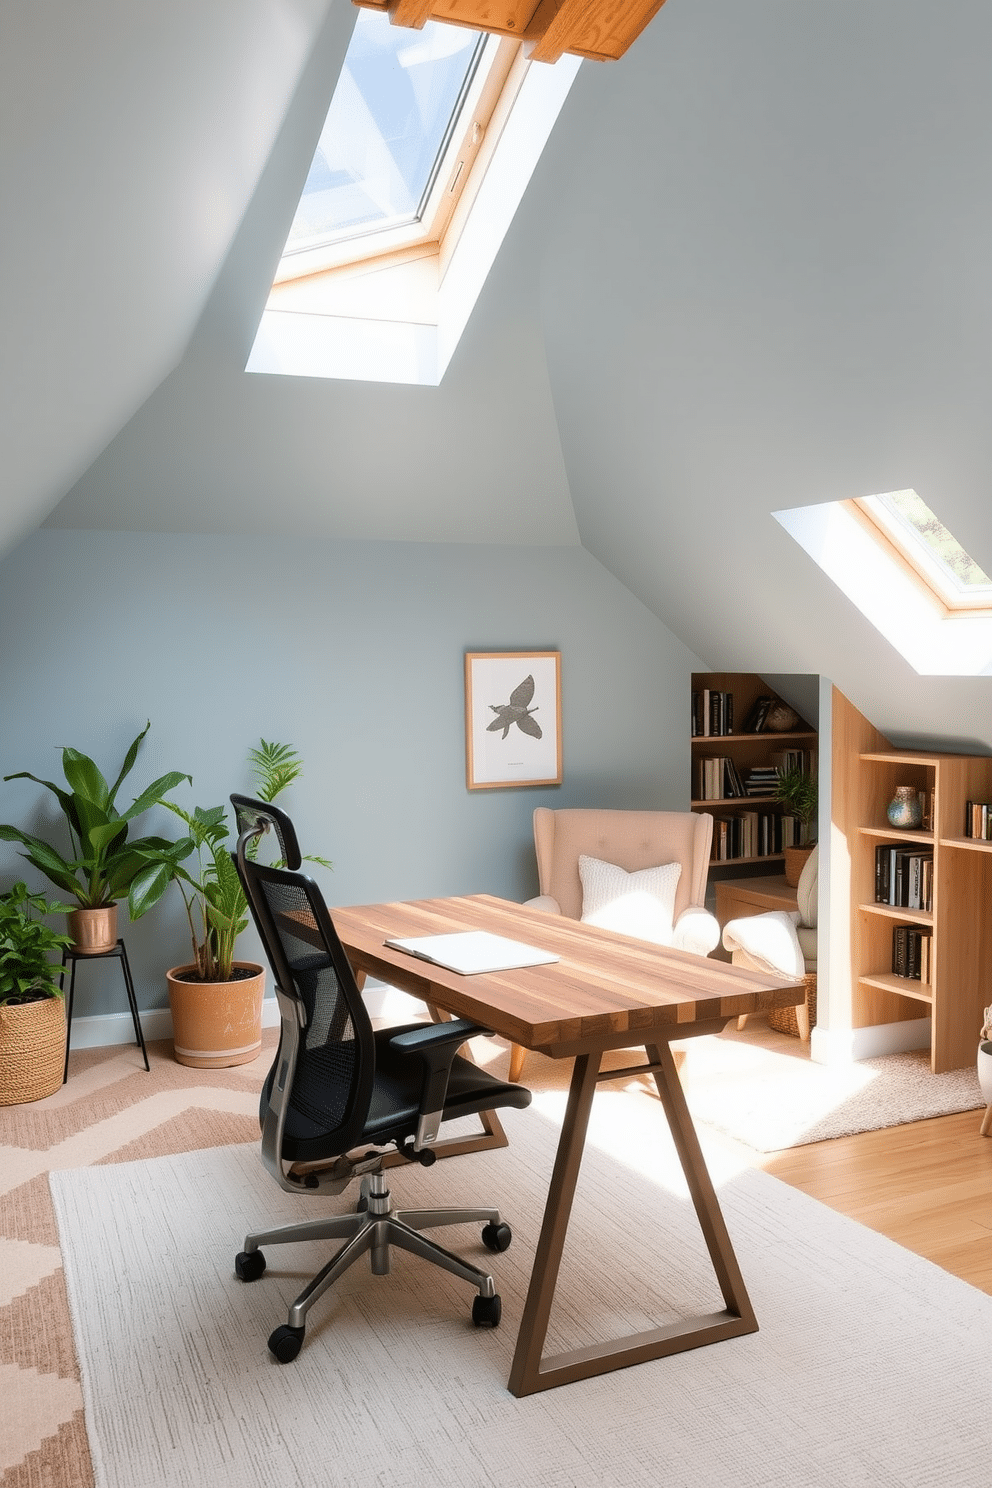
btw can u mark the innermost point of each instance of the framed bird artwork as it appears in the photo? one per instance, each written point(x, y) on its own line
point(512, 718)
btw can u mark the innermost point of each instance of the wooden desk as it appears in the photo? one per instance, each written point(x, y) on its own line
point(606, 992)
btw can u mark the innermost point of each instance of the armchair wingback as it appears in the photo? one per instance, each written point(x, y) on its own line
point(631, 840)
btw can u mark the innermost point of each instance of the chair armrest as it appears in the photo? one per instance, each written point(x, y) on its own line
point(436, 1044)
point(546, 903)
point(430, 1038)
point(696, 930)
point(769, 941)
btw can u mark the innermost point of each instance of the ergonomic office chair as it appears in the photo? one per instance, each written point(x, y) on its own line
point(337, 1085)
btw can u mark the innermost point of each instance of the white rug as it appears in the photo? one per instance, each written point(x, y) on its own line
point(869, 1371)
point(772, 1100)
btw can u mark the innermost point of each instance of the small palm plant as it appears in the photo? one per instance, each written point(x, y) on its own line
point(216, 907)
point(796, 789)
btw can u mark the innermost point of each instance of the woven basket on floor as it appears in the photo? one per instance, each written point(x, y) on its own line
point(32, 1050)
point(784, 1019)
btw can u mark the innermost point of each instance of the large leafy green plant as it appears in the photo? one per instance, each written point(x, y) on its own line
point(216, 907)
point(27, 973)
point(104, 864)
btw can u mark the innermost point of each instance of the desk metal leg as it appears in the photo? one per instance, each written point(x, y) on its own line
point(531, 1371)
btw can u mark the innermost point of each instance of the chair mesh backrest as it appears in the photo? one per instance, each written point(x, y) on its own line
point(331, 1085)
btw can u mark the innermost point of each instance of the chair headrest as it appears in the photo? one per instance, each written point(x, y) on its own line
point(255, 817)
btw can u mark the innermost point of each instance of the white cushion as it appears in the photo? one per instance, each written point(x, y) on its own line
point(769, 940)
point(641, 904)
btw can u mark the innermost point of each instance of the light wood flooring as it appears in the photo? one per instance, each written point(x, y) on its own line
point(927, 1186)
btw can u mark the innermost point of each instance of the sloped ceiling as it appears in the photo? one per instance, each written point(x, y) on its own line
point(131, 139)
point(776, 263)
point(751, 272)
point(217, 450)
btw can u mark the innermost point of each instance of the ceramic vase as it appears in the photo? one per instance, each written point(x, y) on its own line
point(905, 810)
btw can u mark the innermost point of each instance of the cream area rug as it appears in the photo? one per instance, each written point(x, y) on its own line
point(775, 1097)
point(867, 1371)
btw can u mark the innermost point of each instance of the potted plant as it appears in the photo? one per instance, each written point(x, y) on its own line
point(32, 1015)
point(796, 790)
point(104, 865)
point(216, 1001)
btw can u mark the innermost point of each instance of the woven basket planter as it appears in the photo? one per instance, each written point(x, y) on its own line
point(784, 1019)
point(32, 1050)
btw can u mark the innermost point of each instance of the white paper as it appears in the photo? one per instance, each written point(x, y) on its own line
point(472, 951)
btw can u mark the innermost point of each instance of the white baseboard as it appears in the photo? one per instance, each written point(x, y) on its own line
point(848, 1045)
point(101, 1030)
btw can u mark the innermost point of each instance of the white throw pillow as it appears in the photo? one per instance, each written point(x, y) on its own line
point(641, 904)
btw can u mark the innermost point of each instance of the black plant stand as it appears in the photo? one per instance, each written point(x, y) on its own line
point(120, 952)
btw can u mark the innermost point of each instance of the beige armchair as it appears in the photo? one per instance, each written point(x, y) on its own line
point(783, 943)
point(631, 840)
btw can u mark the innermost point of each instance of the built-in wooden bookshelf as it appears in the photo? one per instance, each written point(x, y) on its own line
point(960, 917)
point(743, 751)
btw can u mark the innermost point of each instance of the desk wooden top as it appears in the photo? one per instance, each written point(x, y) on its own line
point(607, 990)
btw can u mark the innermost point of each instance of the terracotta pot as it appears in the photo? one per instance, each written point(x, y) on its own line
point(32, 1050)
point(795, 862)
point(216, 1024)
point(93, 931)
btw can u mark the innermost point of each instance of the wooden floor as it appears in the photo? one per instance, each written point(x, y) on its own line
point(927, 1186)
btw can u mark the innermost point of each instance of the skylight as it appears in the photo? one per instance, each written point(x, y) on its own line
point(921, 537)
point(429, 142)
point(393, 112)
point(896, 560)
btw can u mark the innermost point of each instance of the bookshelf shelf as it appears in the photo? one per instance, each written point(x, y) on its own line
point(960, 923)
point(734, 836)
point(901, 986)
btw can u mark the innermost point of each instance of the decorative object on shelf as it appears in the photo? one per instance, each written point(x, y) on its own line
point(32, 1016)
point(104, 864)
point(512, 718)
point(905, 810)
point(985, 1071)
point(779, 719)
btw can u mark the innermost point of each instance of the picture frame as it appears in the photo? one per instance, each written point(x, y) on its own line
point(512, 719)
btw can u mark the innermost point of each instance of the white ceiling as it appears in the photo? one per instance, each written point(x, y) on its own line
point(750, 272)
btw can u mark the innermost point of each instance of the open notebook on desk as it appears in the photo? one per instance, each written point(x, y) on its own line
point(472, 951)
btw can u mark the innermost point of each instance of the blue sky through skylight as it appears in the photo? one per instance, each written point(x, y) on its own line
point(393, 107)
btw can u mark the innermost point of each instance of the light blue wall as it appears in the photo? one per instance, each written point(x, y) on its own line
point(353, 653)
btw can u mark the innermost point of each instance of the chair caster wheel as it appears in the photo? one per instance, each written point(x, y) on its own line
point(497, 1236)
point(249, 1265)
point(487, 1311)
point(285, 1343)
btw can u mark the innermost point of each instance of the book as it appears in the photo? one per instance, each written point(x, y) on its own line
point(470, 952)
point(756, 714)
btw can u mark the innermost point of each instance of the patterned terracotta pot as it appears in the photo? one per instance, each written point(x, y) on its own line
point(216, 1024)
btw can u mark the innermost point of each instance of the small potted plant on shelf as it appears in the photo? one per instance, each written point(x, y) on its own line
point(796, 790)
point(216, 1001)
point(104, 864)
point(32, 1016)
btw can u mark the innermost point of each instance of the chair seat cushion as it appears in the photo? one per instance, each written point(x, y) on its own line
point(641, 904)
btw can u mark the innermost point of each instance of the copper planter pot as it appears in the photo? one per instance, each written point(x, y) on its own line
point(93, 931)
point(216, 1024)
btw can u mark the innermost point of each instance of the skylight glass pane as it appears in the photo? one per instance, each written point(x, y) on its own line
point(925, 529)
point(393, 109)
